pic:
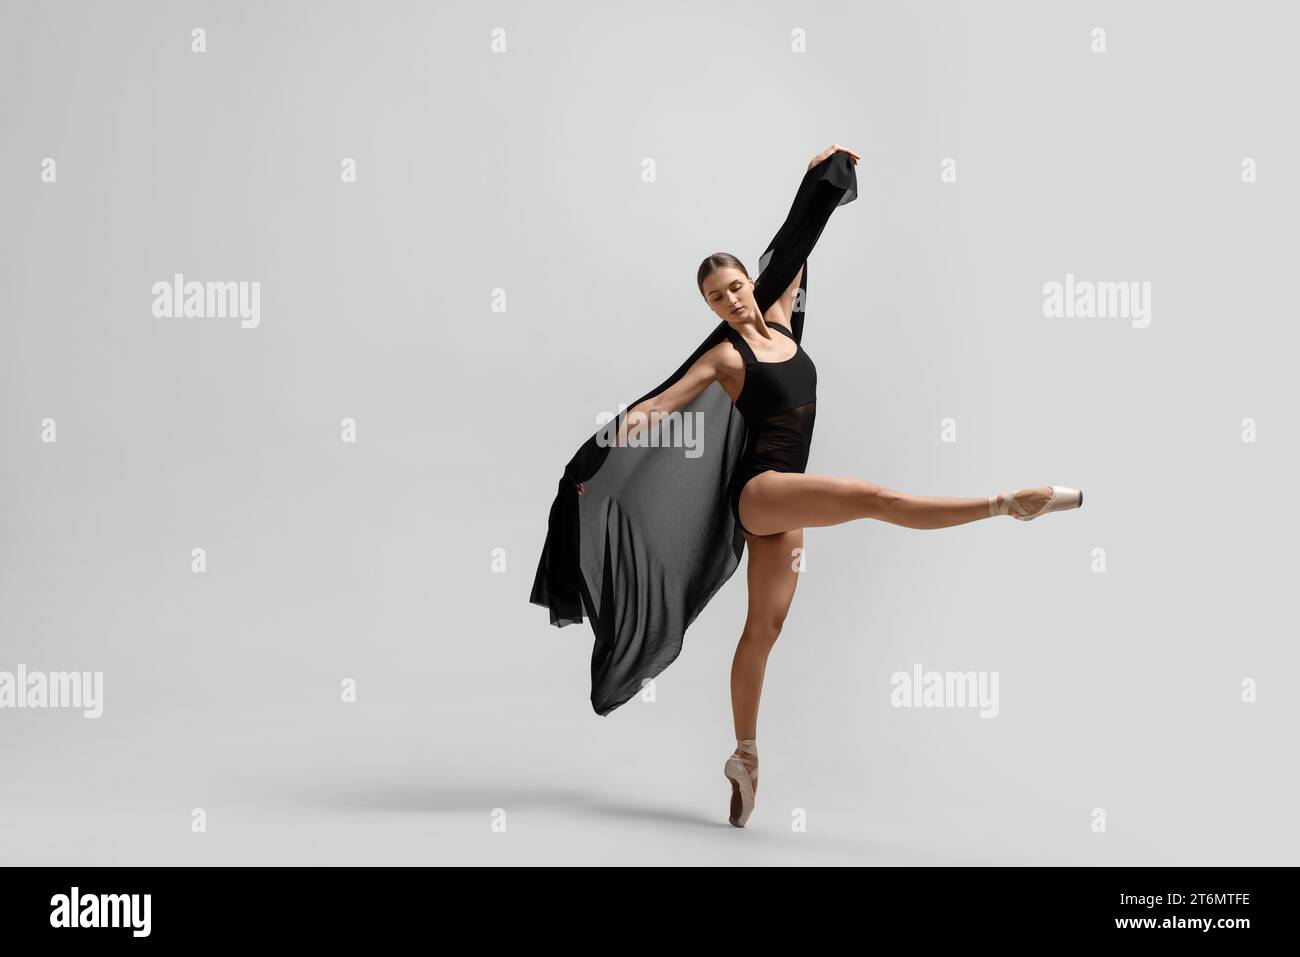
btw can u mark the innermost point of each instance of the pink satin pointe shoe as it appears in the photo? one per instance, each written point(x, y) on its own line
point(1063, 498)
point(741, 770)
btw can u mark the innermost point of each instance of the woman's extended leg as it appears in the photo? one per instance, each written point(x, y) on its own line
point(774, 502)
point(771, 579)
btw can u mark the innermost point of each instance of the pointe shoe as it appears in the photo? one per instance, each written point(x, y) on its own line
point(744, 783)
point(1063, 497)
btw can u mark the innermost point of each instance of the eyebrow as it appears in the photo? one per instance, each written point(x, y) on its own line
point(719, 290)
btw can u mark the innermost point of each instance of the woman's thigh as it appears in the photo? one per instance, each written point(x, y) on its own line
point(774, 502)
point(772, 574)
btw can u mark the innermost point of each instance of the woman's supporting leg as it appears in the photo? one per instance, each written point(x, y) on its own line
point(773, 502)
point(771, 579)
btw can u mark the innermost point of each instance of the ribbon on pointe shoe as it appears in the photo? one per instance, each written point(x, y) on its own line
point(747, 752)
point(1003, 502)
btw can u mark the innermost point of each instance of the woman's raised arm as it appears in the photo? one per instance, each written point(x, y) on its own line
point(829, 182)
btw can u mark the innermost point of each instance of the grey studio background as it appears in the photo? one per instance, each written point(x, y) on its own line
point(521, 171)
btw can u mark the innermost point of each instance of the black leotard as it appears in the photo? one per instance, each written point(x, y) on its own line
point(779, 402)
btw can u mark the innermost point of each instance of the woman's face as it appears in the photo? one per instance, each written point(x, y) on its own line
point(730, 293)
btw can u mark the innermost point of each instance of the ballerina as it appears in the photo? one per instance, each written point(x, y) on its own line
point(756, 359)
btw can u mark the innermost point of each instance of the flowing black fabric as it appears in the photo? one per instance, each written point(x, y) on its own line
point(654, 536)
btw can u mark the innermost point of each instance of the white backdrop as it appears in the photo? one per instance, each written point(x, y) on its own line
point(410, 185)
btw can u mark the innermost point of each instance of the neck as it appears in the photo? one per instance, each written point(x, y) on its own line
point(742, 322)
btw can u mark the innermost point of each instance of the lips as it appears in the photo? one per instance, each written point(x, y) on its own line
point(737, 309)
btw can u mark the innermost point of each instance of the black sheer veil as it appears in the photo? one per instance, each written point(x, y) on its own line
point(653, 538)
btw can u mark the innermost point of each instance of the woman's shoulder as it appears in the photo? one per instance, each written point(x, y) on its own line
point(725, 356)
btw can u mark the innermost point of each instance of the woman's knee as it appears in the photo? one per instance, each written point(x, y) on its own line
point(874, 501)
point(764, 631)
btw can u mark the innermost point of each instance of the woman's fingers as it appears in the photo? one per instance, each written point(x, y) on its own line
point(833, 148)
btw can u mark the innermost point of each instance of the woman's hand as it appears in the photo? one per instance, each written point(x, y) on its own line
point(833, 148)
point(582, 487)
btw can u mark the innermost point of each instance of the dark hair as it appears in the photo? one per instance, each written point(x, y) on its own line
point(717, 261)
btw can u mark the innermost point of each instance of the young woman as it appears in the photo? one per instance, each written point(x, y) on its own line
point(756, 359)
